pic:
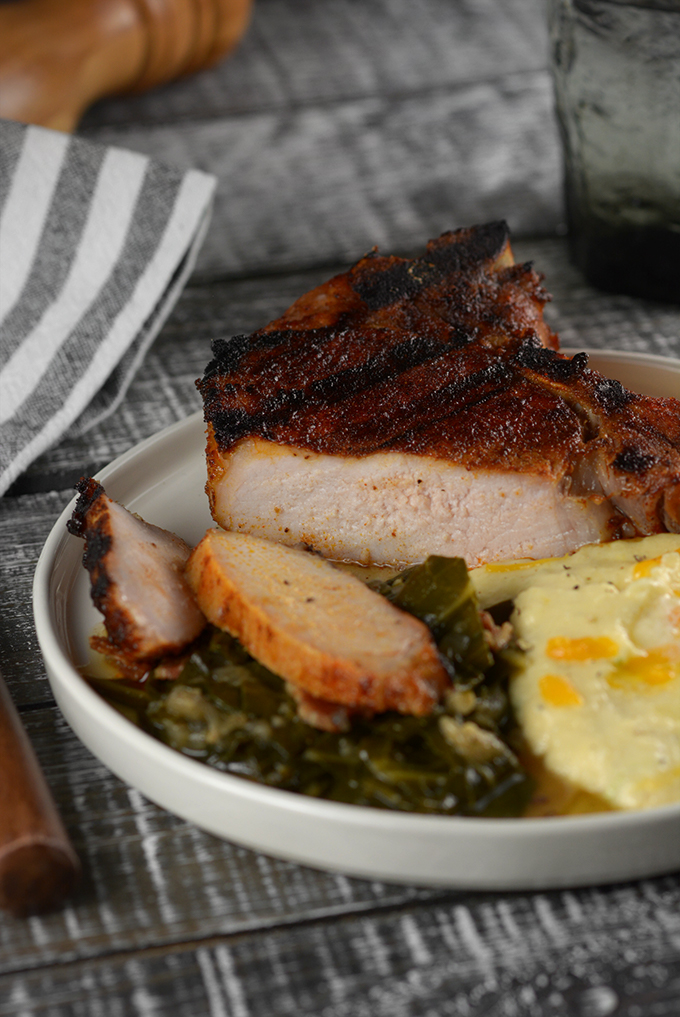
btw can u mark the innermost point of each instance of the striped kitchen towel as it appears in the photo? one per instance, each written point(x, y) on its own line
point(95, 246)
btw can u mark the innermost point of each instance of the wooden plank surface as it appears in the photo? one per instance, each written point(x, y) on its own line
point(300, 53)
point(169, 920)
point(578, 954)
point(338, 125)
point(152, 880)
point(336, 181)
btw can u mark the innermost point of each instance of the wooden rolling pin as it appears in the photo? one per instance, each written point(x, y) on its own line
point(38, 866)
point(59, 56)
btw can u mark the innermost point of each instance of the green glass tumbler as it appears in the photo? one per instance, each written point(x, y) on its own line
point(616, 71)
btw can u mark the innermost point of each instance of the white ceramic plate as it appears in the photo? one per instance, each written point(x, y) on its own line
point(163, 479)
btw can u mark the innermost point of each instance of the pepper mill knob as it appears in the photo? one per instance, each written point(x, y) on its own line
point(57, 57)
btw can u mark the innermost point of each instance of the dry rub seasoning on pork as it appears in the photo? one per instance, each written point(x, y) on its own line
point(415, 407)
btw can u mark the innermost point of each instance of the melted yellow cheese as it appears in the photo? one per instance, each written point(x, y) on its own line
point(598, 693)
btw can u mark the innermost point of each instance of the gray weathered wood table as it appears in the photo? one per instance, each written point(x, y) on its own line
point(337, 125)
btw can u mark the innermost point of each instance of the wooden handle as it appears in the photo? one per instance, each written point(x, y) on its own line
point(59, 56)
point(38, 866)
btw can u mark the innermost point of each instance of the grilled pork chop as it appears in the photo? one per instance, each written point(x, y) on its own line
point(414, 407)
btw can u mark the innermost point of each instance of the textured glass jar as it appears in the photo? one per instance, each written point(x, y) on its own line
point(616, 68)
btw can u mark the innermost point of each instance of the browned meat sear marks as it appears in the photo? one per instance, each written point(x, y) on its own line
point(447, 357)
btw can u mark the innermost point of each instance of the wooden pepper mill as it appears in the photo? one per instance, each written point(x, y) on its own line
point(57, 57)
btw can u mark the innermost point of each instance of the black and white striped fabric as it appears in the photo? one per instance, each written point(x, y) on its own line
point(95, 246)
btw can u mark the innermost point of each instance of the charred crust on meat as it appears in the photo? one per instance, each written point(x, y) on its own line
point(89, 491)
point(97, 547)
point(611, 395)
point(267, 409)
point(410, 352)
point(283, 382)
point(118, 627)
point(476, 244)
point(381, 286)
point(227, 355)
point(382, 281)
point(136, 577)
point(230, 425)
point(86, 523)
point(632, 460)
point(535, 357)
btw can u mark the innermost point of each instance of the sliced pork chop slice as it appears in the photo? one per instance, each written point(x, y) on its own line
point(137, 576)
point(318, 627)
